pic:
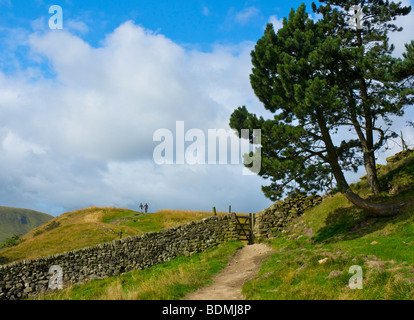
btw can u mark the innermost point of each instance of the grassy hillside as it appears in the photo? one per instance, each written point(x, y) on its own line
point(313, 258)
point(315, 253)
point(91, 226)
point(19, 221)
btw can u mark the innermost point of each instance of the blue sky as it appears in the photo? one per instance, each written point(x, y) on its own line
point(79, 106)
point(187, 22)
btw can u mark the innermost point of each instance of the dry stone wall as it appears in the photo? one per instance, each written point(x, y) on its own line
point(21, 280)
point(278, 215)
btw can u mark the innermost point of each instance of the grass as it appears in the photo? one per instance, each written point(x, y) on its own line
point(154, 222)
point(172, 280)
point(294, 272)
point(346, 236)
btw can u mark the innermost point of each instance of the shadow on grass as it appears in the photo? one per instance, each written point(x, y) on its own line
point(351, 223)
point(401, 177)
point(3, 260)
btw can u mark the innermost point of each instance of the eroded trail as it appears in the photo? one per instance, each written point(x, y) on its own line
point(228, 284)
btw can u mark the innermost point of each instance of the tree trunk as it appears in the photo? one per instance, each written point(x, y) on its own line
point(376, 209)
point(370, 168)
point(368, 143)
point(367, 147)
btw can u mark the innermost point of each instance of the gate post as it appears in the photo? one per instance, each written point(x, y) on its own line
point(251, 236)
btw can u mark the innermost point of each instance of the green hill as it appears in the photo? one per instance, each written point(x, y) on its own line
point(19, 221)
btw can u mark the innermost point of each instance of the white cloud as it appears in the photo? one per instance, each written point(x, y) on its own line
point(84, 136)
point(76, 26)
point(399, 39)
point(18, 148)
point(277, 22)
point(244, 16)
point(110, 100)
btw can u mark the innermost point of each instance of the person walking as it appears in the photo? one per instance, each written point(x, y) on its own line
point(146, 208)
point(141, 206)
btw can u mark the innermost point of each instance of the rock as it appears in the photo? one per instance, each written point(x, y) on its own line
point(394, 269)
point(399, 156)
point(27, 290)
point(335, 274)
point(302, 267)
point(374, 243)
point(323, 260)
point(378, 264)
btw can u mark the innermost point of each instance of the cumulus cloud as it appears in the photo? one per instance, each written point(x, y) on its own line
point(246, 15)
point(77, 130)
point(110, 100)
point(77, 26)
point(277, 22)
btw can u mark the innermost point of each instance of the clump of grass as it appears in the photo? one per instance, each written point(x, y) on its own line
point(54, 224)
point(12, 241)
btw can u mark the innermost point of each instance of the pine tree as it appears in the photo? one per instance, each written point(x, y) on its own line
point(297, 74)
point(370, 86)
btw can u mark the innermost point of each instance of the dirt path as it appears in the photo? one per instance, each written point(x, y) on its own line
point(228, 284)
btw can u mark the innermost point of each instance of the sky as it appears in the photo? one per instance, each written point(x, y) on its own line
point(79, 106)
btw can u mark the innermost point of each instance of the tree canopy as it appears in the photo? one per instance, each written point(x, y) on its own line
point(316, 78)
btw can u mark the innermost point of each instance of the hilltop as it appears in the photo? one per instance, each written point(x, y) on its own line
point(19, 221)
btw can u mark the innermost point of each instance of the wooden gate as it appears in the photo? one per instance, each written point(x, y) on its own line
point(244, 227)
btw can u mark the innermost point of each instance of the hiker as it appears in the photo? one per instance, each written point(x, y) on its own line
point(141, 206)
point(146, 207)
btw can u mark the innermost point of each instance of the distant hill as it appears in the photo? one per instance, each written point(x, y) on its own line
point(19, 221)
